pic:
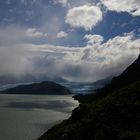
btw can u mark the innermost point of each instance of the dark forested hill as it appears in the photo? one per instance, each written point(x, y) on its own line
point(50, 88)
point(113, 116)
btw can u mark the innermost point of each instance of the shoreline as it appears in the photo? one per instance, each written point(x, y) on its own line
point(40, 138)
point(32, 115)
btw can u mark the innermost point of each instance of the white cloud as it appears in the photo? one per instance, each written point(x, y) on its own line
point(130, 6)
point(93, 61)
point(34, 33)
point(62, 34)
point(85, 16)
point(93, 39)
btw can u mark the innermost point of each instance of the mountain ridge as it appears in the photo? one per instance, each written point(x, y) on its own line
point(113, 116)
point(46, 87)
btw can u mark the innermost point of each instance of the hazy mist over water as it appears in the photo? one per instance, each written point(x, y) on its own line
point(27, 117)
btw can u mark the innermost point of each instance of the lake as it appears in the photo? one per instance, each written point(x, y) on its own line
point(27, 117)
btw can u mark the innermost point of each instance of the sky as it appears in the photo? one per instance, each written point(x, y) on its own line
point(82, 40)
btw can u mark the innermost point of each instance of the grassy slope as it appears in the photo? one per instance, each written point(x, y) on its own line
point(113, 117)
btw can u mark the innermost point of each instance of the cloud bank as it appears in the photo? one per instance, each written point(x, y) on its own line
point(94, 61)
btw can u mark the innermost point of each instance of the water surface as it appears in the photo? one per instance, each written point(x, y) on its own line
point(26, 117)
